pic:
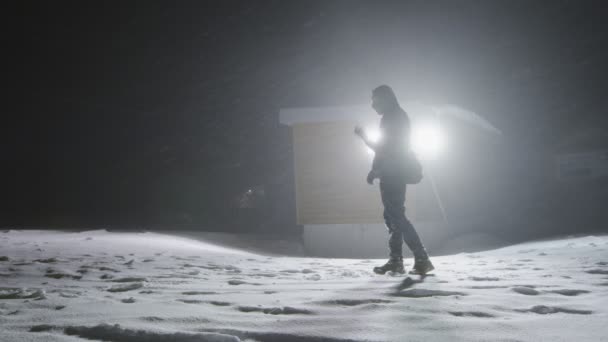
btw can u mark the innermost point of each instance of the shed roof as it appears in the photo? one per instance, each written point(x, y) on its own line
point(299, 115)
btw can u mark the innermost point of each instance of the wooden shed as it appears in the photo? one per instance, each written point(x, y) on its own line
point(340, 213)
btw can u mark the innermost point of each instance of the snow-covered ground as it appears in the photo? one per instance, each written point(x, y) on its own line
point(99, 285)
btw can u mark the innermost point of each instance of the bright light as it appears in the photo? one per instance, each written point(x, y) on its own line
point(373, 136)
point(427, 140)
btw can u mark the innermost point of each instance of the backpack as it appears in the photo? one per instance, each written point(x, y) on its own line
point(412, 169)
point(407, 169)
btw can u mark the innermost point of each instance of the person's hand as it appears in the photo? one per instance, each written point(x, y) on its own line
point(360, 132)
point(371, 176)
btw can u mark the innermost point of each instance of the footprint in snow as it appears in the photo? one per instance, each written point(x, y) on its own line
point(423, 293)
point(219, 303)
point(544, 310)
point(124, 288)
point(241, 282)
point(267, 275)
point(195, 293)
point(470, 314)
point(22, 263)
point(21, 293)
point(46, 261)
point(42, 328)
point(190, 301)
point(287, 310)
point(354, 302)
point(525, 291)
point(57, 274)
point(152, 319)
point(569, 292)
point(119, 333)
point(129, 279)
point(597, 271)
point(484, 278)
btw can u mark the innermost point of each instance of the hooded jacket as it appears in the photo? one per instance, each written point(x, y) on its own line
point(393, 146)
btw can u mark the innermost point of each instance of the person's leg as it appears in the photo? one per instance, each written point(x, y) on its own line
point(412, 239)
point(395, 241)
point(395, 210)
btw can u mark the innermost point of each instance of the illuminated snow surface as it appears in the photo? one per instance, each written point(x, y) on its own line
point(99, 285)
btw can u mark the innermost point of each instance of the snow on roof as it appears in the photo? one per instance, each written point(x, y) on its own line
point(300, 115)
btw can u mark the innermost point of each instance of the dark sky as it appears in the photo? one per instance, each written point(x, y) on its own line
point(129, 108)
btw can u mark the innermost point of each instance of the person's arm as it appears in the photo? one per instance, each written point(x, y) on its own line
point(361, 133)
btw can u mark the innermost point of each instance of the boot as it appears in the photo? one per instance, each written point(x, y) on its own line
point(422, 266)
point(394, 264)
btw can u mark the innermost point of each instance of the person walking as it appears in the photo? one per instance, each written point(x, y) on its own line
point(390, 158)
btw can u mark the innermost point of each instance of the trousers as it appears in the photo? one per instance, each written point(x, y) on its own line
point(399, 227)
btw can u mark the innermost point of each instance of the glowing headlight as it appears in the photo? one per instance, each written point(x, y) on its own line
point(427, 140)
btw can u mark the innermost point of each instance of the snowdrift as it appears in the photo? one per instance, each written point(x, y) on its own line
point(110, 286)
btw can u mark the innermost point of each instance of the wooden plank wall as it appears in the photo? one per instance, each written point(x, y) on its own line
point(330, 169)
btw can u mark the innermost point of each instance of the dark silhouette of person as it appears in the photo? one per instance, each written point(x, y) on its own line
point(390, 155)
